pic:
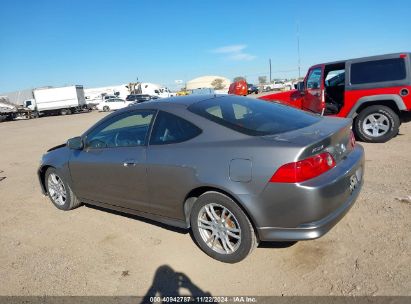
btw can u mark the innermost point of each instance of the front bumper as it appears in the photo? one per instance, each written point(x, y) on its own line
point(293, 212)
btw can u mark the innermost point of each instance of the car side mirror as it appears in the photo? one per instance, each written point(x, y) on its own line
point(75, 143)
point(300, 86)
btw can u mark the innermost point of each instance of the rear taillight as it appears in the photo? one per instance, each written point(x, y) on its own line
point(352, 139)
point(303, 170)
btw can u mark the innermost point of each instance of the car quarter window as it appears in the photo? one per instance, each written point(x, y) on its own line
point(378, 71)
point(125, 130)
point(169, 128)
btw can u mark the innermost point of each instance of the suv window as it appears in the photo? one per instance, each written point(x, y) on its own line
point(378, 71)
point(169, 128)
point(125, 130)
point(314, 79)
point(253, 117)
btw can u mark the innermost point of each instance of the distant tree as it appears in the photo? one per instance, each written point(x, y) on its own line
point(217, 84)
point(262, 79)
point(238, 78)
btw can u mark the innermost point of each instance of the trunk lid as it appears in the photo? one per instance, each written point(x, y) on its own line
point(332, 135)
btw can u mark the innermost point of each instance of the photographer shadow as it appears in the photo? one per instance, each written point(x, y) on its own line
point(168, 283)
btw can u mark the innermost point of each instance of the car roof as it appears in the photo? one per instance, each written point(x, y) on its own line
point(179, 100)
point(368, 58)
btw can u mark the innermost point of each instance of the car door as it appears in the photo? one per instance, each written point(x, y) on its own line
point(117, 104)
point(312, 99)
point(111, 168)
point(171, 164)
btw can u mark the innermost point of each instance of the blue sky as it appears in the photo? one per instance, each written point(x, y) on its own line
point(97, 43)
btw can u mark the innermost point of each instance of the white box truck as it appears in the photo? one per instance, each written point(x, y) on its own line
point(52, 101)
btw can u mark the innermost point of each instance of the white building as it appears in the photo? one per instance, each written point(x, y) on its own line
point(207, 82)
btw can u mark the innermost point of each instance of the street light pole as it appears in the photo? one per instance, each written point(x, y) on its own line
point(269, 61)
point(298, 50)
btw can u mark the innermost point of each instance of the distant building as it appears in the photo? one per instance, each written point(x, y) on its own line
point(206, 82)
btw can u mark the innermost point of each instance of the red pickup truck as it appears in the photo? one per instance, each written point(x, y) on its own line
point(374, 91)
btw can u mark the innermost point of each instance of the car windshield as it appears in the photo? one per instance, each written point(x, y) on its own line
point(253, 117)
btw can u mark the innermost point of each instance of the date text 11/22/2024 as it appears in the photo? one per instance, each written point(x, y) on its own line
point(203, 299)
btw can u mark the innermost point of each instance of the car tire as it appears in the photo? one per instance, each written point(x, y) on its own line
point(59, 191)
point(64, 111)
point(106, 109)
point(376, 124)
point(232, 222)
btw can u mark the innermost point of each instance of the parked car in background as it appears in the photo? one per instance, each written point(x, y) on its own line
point(374, 91)
point(275, 85)
point(113, 104)
point(252, 89)
point(137, 98)
point(202, 91)
point(183, 93)
point(238, 88)
point(234, 170)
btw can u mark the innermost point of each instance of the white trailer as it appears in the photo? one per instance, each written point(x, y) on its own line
point(118, 91)
point(153, 89)
point(63, 100)
point(9, 111)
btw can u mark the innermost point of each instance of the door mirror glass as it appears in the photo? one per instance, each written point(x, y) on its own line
point(300, 86)
point(75, 143)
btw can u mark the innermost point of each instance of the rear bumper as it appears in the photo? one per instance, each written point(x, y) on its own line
point(309, 231)
point(292, 212)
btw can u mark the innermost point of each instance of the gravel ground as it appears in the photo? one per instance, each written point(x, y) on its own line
point(88, 251)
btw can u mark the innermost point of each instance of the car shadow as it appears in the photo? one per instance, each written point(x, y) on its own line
point(276, 244)
point(140, 218)
point(168, 283)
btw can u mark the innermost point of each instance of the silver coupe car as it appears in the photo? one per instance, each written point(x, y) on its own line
point(234, 170)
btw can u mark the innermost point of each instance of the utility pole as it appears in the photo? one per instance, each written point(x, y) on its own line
point(269, 61)
point(298, 50)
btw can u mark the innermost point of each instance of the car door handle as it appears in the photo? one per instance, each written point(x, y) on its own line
point(129, 163)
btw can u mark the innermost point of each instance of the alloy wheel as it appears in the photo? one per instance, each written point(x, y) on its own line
point(56, 189)
point(376, 124)
point(219, 228)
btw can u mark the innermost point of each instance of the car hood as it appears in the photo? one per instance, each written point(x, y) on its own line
point(56, 147)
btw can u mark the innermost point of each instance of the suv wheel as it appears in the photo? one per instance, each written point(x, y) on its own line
point(106, 109)
point(376, 124)
point(59, 191)
point(221, 228)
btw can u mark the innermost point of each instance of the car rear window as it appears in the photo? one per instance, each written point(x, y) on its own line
point(378, 71)
point(253, 116)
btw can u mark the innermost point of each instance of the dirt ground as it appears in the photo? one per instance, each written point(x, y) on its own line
point(44, 251)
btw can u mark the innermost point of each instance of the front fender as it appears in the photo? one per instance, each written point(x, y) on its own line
point(57, 159)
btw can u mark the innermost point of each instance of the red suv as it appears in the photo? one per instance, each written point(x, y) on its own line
point(374, 91)
point(238, 88)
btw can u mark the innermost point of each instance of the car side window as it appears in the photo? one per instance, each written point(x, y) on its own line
point(125, 130)
point(169, 128)
point(314, 79)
